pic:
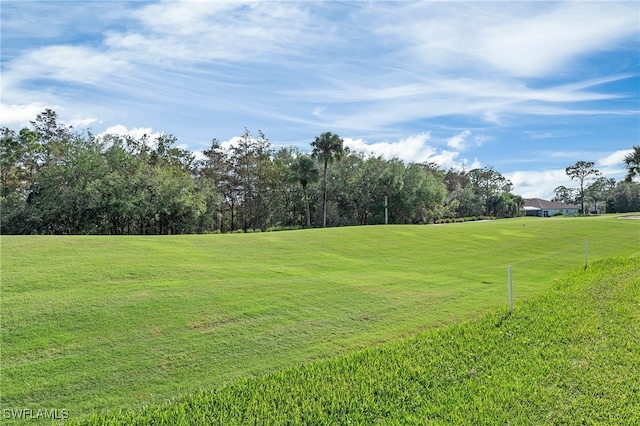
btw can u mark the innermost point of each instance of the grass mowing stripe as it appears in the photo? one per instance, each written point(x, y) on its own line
point(93, 323)
point(566, 357)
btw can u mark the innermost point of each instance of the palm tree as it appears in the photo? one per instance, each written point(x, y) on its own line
point(305, 171)
point(632, 163)
point(327, 147)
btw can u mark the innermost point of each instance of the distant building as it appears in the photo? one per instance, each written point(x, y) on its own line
point(543, 208)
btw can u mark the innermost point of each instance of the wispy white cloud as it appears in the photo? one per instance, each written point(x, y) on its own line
point(578, 155)
point(614, 159)
point(177, 35)
point(361, 105)
point(416, 148)
point(538, 184)
point(548, 38)
point(81, 123)
point(196, 31)
point(19, 115)
point(513, 73)
point(551, 134)
point(518, 39)
point(78, 64)
point(458, 141)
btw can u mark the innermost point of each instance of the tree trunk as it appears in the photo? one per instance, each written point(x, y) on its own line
point(386, 210)
point(324, 196)
point(306, 199)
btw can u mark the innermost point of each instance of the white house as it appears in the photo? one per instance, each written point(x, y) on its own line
point(544, 208)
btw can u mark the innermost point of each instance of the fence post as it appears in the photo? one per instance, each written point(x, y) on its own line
point(586, 253)
point(510, 289)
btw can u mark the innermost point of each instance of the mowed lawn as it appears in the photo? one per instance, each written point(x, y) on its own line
point(97, 323)
point(566, 357)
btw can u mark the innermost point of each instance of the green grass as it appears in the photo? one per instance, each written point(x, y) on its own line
point(568, 357)
point(95, 323)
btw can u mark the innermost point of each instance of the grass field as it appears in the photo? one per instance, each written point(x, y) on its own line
point(570, 356)
point(96, 323)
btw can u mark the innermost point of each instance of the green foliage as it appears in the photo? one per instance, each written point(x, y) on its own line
point(327, 148)
point(632, 163)
point(96, 323)
point(305, 171)
point(563, 358)
point(562, 194)
point(582, 171)
point(624, 198)
point(59, 181)
point(464, 219)
point(422, 192)
point(491, 187)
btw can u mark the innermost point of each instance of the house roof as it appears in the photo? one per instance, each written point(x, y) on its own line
point(540, 204)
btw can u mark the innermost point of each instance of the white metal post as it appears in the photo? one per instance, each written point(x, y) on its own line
point(510, 290)
point(586, 253)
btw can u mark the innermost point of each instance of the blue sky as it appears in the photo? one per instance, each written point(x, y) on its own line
point(526, 87)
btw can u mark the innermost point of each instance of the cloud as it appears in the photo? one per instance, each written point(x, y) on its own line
point(19, 115)
point(538, 184)
point(551, 134)
point(81, 123)
point(22, 115)
point(196, 31)
point(364, 104)
point(370, 70)
point(549, 38)
point(522, 39)
point(412, 149)
point(231, 143)
point(78, 64)
point(319, 111)
point(135, 132)
point(447, 159)
point(614, 158)
point(458, 141)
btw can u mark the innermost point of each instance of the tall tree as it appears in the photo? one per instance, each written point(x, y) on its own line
point(215, 171)
point(58, 181)
point(489, 184)
point(390, 181)
point(582, 171)
point(356, 183)
point(465, 201)
point(243, 159)
point(305, 171)
point(263, 182)
point(286, 199)
point(508, 205)
point(53, 136)
point(422, 194)
point(598, 190)
point(20, 162)
point(562, 194)
point(327, 147)
point(625, 197)
point(632, 163)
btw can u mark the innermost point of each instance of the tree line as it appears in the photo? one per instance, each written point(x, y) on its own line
point(56, 180)
point(598, 194)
